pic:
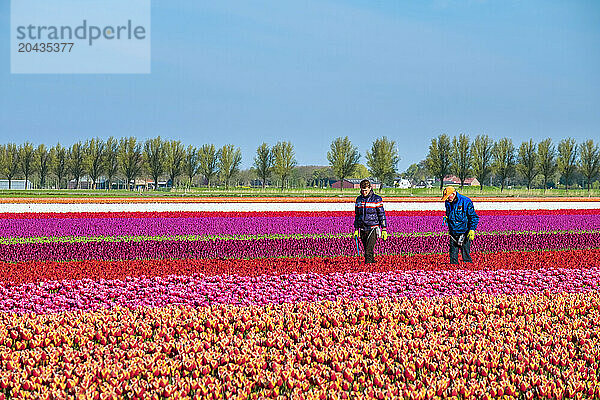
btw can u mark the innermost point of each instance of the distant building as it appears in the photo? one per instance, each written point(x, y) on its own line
point(402, 183)
point(452, 180)
point(257, 183)
point(15, 184)
point(426, 184)
point(353, 184)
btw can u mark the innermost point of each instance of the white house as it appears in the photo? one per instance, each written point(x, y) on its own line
point(402, 183)
point(15, 184)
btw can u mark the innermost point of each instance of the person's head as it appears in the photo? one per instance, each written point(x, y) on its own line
point(449, 194)
point(365, 187)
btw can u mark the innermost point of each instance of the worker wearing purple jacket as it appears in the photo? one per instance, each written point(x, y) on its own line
point(369, 219)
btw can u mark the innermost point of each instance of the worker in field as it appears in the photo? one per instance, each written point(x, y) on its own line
point(462, 221)
point(369, 219)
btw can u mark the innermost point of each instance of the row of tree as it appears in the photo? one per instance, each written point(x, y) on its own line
point(157, 158)
point(126, 157)
point(483, 156)
point(170, 159)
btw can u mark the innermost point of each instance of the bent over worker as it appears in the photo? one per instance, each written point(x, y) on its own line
point(369, 219)
point(462, 221)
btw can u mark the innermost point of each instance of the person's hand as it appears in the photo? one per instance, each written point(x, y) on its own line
point(471, 234)
point(384, 234)
point(355, 234)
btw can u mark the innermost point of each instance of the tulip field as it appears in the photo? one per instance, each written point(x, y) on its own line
point(134, 300)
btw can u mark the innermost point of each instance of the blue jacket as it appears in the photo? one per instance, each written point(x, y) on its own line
point(461, 215)
point(368, 212)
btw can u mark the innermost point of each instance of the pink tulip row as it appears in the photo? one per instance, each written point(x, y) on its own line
point(286, 247)
point(269, 224)
point(58, 296)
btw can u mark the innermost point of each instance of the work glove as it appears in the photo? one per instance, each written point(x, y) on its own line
point(471, 234)
point(384, 234)
point(355, 234)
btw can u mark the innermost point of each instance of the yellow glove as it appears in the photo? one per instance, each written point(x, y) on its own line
point(355, 233)
point(471, 234)
point(384, 235)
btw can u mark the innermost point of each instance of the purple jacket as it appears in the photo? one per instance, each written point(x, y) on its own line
point(368, 212)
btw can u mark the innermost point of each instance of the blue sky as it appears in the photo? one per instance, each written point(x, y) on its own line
point(309, 71)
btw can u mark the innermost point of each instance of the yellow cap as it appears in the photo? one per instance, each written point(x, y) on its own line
point(447, 192)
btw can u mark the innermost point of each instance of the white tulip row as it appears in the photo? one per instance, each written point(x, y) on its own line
point(244, 207)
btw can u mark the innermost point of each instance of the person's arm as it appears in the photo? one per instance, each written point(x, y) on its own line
point(472, 217)
point(356, 215)
point(381, 215)
point(381, 219)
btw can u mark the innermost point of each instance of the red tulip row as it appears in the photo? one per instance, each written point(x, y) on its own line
point(477, 346)
point(35, 271)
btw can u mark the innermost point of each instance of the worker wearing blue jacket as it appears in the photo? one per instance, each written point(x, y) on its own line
point(462, 221)
point(369, 219)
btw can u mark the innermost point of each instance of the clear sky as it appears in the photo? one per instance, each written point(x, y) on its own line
point(244, 72)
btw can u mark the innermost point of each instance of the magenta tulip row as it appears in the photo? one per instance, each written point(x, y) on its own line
point(292, 247)
point(258, 225)
point(244, 290)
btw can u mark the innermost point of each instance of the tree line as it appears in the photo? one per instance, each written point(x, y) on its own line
point(129, 158)
point(126, 157)
point(483, 157)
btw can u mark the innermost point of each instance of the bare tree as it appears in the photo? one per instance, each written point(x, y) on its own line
point(175, 158)
point(42, 159)
point(567, 159)
point(130, 159)
point(10, 162)
point(343, 158)
point(481, 152)
point(284, 160)
point(438, 158)
point(230, 159)
point(111, 160)
point(503, 154)
point(589, 162)
point(546, 160)
point(263, 162)
point(191, 163)
point(155, 158)
point(527, 162)
point(208, 162)
point(26, 160)
point(383, 159)
point(461, 157)
point(76, 162)
point(94, 159)
point(59, 163)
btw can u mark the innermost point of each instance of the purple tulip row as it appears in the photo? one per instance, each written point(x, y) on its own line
point(242, 290)
point(258, 225)
point(293, 247)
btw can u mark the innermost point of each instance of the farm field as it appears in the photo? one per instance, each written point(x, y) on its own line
point(213, 299)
